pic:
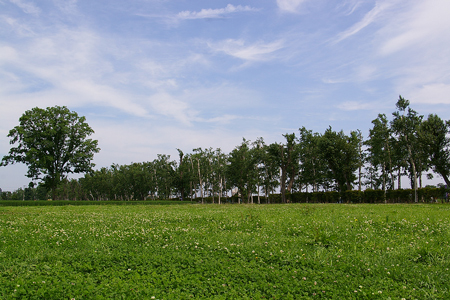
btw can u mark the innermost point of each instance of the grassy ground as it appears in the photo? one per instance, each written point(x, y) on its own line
point(296, 251)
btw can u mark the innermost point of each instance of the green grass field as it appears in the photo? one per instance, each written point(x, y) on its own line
point(297, 251)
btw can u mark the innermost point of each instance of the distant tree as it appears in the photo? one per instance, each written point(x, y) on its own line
point(286, 157)
point(267, 168)
point(218, 172)
point(165, 175)
point(312, 167)
point(53, 142)
point(200, 163)
point(340, 152)
point(5, 196)
point(405, 127)
point(259, 153)
point(182, 179)
point(433, 136)
point(99, 184)
point(241, 169)
point(379, 149)
point(138, 178)
point(291, 159)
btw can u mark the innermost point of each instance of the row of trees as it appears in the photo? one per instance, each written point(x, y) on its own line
point(406, 145)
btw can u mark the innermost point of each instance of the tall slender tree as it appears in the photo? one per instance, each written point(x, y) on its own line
point(405, 127)
point(379, 149)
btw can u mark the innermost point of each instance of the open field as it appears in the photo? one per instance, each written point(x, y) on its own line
point(297, 251)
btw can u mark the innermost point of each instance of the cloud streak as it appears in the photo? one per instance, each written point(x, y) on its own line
point(258, 51)
point(368, 19)
point(290, 6)
point(27, 7)
point(151, 85)
point(213, 13)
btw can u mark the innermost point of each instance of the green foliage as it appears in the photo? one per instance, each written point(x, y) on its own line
point(294, 251)
point(312, 167)
point(380, 153)
point(340, 152)
point(10, 202)
point(53, 143)
point(405, 127)
point(433, 137)
point(241, 170)
point(328, 163)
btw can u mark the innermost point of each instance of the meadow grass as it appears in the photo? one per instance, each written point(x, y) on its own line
point(294, 251)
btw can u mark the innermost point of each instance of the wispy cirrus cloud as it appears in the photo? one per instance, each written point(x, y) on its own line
point(289, 5)
point(355, 105)
point(169, 106)
point(417, 41)
point(258, 51)
point(27, 7)
point(426, 21)
point(368, 19)
point(205, 13)
point(210, 13)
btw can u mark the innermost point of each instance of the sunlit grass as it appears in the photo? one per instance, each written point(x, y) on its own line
point(303, 251)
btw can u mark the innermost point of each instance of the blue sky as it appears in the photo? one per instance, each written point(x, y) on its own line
point(155, 75)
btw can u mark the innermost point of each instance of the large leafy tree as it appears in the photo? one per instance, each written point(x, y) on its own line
point(53, 142)
point(435, 142)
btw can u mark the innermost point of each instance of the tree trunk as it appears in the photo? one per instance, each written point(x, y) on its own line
point(415, 173)
point(259, 199)
point(283, 184)
point(200, 180)
point(384, 182)
point(220, 189)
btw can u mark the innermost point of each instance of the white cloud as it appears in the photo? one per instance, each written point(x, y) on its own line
point(222, 119)
point(255, 52)
point(223, 99)
point(66, 66)
point(350, 6)
point(67, 6)
point(289, 5)
point(166, 105)
point(437, 93)
point(354, 105)
point(19, 28)
point(27, 7)
point(103, 95)
point(416, 41)
point(7, 54)
point(425, 23)
point(213, 13)
point(368, 19)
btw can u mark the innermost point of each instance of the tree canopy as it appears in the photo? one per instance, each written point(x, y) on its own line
point(53, 142)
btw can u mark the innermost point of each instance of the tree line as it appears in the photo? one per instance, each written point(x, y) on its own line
point(306, 161)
